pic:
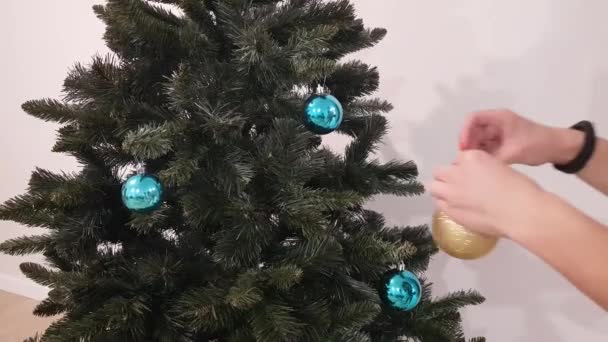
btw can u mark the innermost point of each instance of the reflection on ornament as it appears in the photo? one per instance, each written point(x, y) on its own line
point(142, 193)
point(403, 290)
point(323, 113)
point(459, 242)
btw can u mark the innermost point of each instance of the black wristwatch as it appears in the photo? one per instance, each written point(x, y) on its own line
point(586, 152)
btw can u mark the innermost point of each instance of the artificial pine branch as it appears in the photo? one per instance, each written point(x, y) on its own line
point(455, 301)
point(38, 273)
point(35, 338)
point(156, 28)
point(150, 141)
point(205, 308)
point(48, 308)
point(245, 294)
point(45, 180)
point(23, 209)
point(284, 277)
point(366, 107)
point(478, 339)
point(147, 223)
point(354, 316)
point(368, 255)
point(352, 80)
point(180, 171)
point(102, 80)
point(275, 322)
point(52, 110)
point(26, 245)
point(367, 140)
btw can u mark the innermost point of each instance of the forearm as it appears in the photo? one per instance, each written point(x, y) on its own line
point(572, 243)
point(595, 173)
point(568, 144)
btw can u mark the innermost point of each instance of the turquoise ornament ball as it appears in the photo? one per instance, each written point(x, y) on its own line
point(403, 290)
point(142, 193)
point(323, 113)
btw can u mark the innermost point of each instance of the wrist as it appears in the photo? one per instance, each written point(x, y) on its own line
point(567, 144)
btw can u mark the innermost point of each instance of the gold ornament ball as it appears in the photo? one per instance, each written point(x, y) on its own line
point(459, 242)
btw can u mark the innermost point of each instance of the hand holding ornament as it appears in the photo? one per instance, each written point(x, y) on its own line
point(485, 195)
point(481, 192)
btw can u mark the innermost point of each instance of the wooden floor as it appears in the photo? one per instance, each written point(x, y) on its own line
point(17, 321)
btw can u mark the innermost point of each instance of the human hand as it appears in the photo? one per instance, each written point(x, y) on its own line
point(485, 195)
point(516, 140)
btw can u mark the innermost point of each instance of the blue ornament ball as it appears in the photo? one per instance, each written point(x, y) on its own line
point(323, 114)
point(142, 193)
point(403, 290)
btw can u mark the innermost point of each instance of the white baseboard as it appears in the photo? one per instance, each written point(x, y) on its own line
point(22, 286)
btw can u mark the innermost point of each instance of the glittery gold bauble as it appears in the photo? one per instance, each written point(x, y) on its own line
point(459, 242)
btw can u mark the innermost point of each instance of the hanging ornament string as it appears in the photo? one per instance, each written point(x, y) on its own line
point(324, 88)
point(321, 90)
point(140, 167)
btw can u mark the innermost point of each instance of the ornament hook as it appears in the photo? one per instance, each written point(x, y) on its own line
point(140, 167)
point(321, 90)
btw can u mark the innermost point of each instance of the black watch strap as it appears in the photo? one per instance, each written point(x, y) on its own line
point(583, 157)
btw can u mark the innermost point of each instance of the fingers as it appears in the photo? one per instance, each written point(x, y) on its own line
point(439, 190)
point(481, 131)
point(469, 135)
point(470, 155)
point(442, 177)
point(441, 205)
point(443, 173)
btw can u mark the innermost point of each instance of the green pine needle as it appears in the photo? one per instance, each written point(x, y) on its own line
point(26, 245)
point(48, 308)
point(455, 301)
point(38, 273)
point(355, 316)
point(51, 110)
point(284, 277)
point(275, 322)
point(149, 141)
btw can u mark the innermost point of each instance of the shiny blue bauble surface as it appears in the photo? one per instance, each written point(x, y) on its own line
point(403, 291)
point(323, 114)
point(142, 193)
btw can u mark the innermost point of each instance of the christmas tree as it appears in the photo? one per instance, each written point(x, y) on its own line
point(236, 223)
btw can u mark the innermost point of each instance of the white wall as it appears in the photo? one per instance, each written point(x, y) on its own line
point(442, 59)
point(40, 40)
point(547, 59)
